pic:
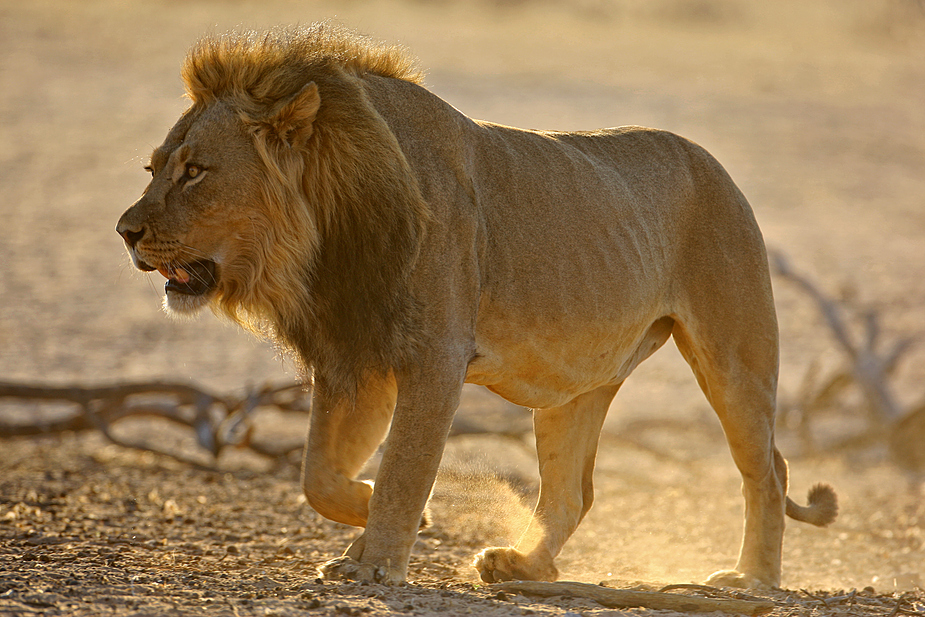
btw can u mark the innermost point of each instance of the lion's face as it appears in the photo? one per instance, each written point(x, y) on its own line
point(196, 221)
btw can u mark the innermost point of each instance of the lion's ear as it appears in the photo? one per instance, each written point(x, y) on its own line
point(292, 123)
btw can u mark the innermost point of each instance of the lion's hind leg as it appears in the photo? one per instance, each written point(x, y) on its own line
point(566, 446)
point(736, 367)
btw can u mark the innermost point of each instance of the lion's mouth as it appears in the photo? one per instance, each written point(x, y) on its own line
point(191, 279)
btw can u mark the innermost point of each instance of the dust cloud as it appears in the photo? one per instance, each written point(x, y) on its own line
point(478, 507)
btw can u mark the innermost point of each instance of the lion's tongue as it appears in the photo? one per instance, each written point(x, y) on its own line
point(179, 274)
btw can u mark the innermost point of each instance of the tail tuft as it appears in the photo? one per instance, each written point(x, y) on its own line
point(821, 510)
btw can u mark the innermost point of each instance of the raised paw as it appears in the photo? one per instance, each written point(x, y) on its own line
point(508, 564)
point(734, 578)
point(349, 569)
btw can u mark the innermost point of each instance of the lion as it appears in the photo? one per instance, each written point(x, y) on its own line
point(317, 194)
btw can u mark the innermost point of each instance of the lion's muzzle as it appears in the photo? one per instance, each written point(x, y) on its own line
point(195, 278)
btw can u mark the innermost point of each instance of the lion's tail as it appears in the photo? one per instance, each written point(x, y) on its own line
point(822, 508)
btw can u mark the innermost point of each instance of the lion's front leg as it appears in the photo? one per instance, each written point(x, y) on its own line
point(342, 437)
point(422, 419)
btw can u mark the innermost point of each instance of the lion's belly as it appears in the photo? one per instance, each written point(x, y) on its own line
point(572, 317)
point(554, 363)
point(526, 385)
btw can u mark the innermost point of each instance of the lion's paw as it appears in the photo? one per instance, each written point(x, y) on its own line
point(734, 578)
point(508, 564)
point(349, 569)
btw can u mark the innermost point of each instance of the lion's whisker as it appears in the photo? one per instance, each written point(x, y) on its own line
point(193, 251)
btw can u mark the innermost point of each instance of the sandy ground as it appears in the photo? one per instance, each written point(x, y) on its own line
point(816, 109)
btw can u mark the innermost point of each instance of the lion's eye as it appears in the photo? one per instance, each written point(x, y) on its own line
point(192, 171)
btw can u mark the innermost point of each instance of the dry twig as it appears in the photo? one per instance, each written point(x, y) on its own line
point(627, 598)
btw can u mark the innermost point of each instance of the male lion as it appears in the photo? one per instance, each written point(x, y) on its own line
point(315, 192)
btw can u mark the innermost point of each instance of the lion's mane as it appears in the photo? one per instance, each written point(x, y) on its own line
point(342, 216)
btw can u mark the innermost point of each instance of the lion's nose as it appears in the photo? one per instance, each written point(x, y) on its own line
point(130, 235)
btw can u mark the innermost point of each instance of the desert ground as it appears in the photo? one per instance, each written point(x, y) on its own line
point(817, 110)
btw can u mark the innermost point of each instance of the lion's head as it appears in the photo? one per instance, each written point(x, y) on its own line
point(282, 200)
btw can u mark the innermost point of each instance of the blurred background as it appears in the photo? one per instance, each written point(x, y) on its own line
point(816, 108)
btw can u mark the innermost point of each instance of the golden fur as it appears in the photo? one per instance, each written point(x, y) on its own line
point(316, 192)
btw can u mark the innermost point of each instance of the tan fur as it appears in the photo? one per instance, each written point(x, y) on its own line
point(399, 249)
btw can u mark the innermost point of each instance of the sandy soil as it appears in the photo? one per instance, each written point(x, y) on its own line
point(816, 109)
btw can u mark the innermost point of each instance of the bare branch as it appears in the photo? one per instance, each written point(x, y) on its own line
point(869, 370)
point(829, 309)
point(217, 421)
point(628, 598)
point(897, 351)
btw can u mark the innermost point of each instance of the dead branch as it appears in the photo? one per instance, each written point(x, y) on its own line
point(868, 369)
point(870, 365)
point(627, 598)
point(218, 421)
